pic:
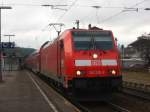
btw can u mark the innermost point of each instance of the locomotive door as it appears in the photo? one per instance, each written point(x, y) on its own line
point(60, 57)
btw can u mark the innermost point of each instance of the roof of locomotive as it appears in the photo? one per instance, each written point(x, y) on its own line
point(75, 29)
point(47, 43)
point(94, 28)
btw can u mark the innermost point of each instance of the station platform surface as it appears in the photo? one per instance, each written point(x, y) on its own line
point(18, 93)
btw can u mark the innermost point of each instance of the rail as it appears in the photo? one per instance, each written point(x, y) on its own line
point(118, 108)
point(136, 89)
point(137, 86)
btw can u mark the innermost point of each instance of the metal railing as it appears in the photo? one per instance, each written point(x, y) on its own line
point(11, 63)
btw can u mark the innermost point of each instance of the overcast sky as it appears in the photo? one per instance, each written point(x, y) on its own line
point(29, 21)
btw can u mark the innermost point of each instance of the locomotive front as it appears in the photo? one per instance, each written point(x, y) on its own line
point(94, 63)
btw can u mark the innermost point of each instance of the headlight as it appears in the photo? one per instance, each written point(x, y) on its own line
point(78, 72)
point(95, 56)
point(113, 72)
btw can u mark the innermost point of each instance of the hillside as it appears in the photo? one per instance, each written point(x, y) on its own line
point(17, 52)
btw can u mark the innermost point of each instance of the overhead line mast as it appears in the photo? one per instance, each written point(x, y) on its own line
point(57, 24)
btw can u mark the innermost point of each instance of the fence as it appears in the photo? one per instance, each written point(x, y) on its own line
point(11, 63)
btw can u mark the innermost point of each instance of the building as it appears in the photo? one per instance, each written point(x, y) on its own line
point(141, 47)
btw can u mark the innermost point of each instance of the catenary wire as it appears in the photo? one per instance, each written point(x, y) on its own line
point(120, 12)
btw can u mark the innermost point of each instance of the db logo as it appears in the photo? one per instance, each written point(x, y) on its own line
point(95, 62)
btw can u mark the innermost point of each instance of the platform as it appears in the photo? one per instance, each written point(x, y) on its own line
point(19, 93)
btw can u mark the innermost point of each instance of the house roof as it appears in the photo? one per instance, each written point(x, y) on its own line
point(140, 43)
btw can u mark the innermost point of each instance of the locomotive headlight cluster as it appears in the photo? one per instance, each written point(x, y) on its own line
point(113, 72)
point(78, 72)
point(95, 56)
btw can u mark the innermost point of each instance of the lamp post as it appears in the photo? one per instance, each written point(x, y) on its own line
point(1, 7)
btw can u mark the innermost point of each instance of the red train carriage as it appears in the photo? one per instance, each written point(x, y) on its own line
point(82, 60)
point(32, 62)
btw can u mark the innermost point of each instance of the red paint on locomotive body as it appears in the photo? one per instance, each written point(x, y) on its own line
point(94, 64)
point(81, 54)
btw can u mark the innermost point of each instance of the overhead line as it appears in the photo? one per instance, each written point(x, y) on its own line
point(64, 5)
point(23, 4)
point(110, 17)
point(39, 5)
point(67, 10)
point(117, 14)
point(73, 3)
point(139, 3)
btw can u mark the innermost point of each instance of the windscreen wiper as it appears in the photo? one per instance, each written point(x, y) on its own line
point(92, 43)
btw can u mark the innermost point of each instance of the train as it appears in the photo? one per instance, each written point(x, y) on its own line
point(82, 62)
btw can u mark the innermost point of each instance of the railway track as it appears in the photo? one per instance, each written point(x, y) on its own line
point(96, 107)
point(136, 93)
point(99, 106)
point(80, 108)
point(118, 108)
point(104, 107)
point(83, 107)
point(138, 90)
point(137, 86)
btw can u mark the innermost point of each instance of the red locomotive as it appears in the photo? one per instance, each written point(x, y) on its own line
point(80, 60)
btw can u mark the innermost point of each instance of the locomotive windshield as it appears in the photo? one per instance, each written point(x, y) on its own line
point(101, 40)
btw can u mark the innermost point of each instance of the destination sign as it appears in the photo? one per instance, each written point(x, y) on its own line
point(8, 44)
